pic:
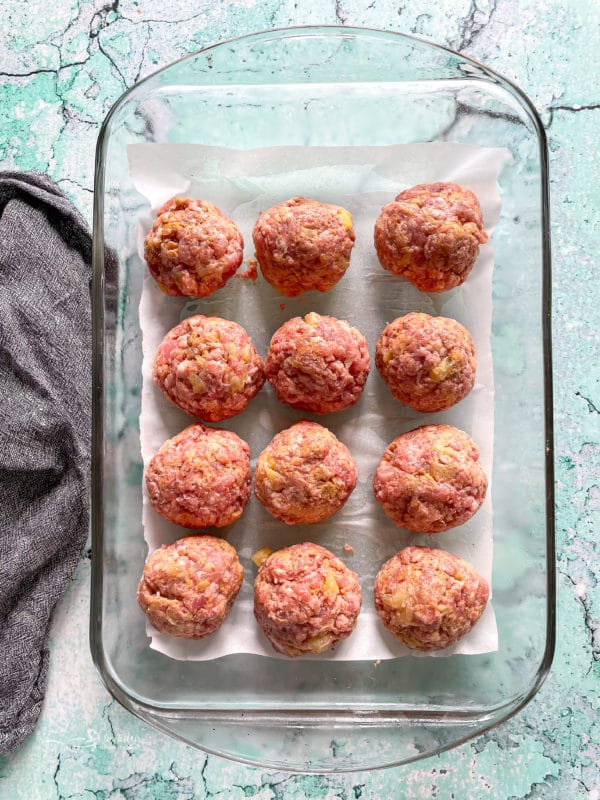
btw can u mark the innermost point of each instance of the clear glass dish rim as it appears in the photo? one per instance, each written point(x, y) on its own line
point(154, 715)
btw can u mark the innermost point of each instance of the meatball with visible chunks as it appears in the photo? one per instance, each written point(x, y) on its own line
point(427, 362)
point(304, 475)
point(303, 244)
point(305, 599)
point(188, 588)
point(200, 477)
point(208, 367)
point(430, 235)
point(429, 479)
point(318, 364)
point(429, 599)
point(193, 248)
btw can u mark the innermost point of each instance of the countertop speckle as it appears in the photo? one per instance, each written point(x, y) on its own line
point(62, 66)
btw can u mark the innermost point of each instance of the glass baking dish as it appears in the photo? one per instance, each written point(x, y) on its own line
point(330, 86)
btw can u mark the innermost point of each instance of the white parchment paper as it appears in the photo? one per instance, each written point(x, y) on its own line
point(363, 179)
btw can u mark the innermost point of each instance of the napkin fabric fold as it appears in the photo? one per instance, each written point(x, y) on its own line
point(45, 386)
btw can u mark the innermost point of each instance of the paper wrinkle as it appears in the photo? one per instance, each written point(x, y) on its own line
point(363, 179)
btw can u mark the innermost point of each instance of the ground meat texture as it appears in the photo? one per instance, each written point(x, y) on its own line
point(188, 588)
point(305, 474)
point(430, 480)
point(428, 362)
point(193, 248)
point(305, 599)
point(429, 599)
point(303, 244)
point(318, 363)
point(208, 367)
point(201, 477)
point(430, 235)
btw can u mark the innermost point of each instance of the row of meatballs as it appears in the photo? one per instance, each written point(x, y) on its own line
point(209, 367)
point(430, 235)
point(428, 480)
point(306, 600)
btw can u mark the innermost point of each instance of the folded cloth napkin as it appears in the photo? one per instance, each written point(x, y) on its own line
point(45, 385)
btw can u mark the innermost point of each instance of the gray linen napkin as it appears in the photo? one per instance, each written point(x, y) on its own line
point(45, 257)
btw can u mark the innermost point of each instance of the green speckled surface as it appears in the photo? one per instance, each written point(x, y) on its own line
point(63, 65)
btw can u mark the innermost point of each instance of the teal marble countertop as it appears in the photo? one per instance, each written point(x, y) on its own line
point(62, 65)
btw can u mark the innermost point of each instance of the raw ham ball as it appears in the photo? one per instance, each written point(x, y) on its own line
point(193, 248)
point(208, 367)
point(318, 363)
point(430, 479)
point(303, 244)
point(305, 599)
point(200, 478)
point(188, 588)
point(430, 235)
point(429, 599)
point(304, 475)
point(427, 362)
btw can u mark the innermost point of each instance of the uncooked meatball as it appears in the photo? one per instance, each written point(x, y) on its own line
point(208, 367)
point(201, 477)
point(318, 363)
point(188, 588)
point(303, 244)
point(305, 599)
point(430, 479)
point(429, 599)
point(305, 474)
point(428, 362)
point(430, 235)
point(193, 248)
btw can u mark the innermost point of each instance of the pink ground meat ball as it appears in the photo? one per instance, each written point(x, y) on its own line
point(303, 244)
point(318, 363)
point(188, 588)
point(305, 599)
point(430, 235)
point(429, 599)
point(430, 479)
point(428, 362)
point(193, 248)
point(304, 475)
point(200, 478)
point(208, 367)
